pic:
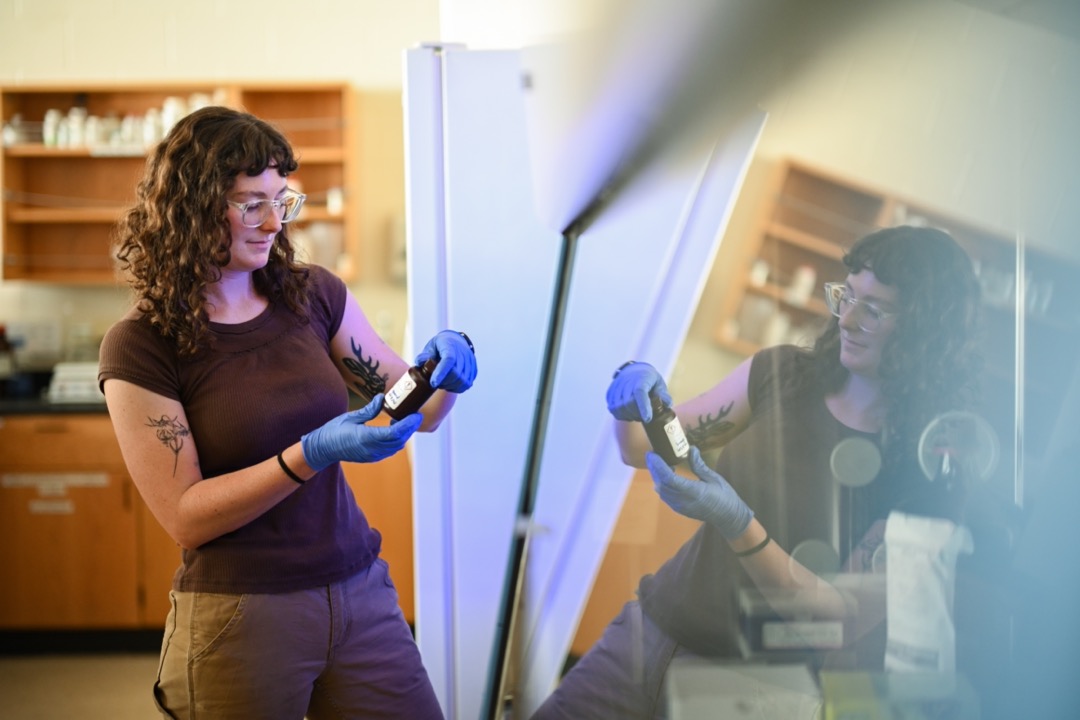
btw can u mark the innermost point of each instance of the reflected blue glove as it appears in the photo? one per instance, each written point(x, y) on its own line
point(347, 438)
point(457, 361)
point(711, 500)
point(628, 393)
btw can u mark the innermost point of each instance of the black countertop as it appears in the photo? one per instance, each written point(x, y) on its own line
point(27, 394)
point(41, 406)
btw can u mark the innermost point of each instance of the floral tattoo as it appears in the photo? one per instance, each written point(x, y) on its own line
point(711, 431)
point(171, 434)
point(369, 382)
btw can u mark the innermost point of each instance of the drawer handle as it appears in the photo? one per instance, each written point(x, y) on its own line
point(51, 427)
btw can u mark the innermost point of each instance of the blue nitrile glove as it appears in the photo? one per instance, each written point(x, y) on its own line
point(628, 393)
point(710, 500)
point(347, 438)
point(457, 361)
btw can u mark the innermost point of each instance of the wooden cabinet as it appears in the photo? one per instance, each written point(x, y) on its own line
point(810, 217)
point(157, 559)
point(78, 549)
point(383, 491)
point(62, 199)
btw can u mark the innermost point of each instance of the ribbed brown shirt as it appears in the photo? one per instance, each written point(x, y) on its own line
point(262, 385)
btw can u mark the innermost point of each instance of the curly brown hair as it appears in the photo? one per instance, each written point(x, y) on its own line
point(931, 361)
point(174, 241)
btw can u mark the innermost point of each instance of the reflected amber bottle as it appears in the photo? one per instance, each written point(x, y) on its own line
point(411, 391)
point(666, 434)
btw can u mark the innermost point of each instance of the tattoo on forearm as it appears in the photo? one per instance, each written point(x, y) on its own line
point(711, 432)
point(171, 434)
point(369, 382)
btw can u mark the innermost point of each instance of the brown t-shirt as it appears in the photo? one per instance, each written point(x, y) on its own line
point(261, 385)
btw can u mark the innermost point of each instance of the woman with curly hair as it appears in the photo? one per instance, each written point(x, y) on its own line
point(227, 384)
point(900, 350)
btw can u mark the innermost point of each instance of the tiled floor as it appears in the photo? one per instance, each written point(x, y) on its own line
point(88, 687)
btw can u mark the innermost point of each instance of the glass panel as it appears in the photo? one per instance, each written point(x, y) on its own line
point(947, 529)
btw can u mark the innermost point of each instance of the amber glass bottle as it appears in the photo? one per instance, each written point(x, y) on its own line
point(666, 434)
point(411, 391)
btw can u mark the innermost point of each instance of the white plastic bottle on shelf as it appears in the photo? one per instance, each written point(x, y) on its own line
point(76, 124)
point(14, 133)
point(50, 127)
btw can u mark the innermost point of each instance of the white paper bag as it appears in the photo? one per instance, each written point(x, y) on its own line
point(921, 555)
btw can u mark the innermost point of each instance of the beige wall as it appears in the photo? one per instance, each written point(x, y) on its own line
point(949, 105)
point(155, 40)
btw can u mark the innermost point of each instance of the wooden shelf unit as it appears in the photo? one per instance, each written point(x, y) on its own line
point(807, 221)
point(60, 204)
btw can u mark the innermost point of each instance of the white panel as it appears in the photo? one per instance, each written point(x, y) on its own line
point(499, 266)
point(638, 276)
point(434, 601)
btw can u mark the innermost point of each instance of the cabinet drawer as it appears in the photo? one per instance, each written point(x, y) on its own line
point(68, 557)
point(58, 442)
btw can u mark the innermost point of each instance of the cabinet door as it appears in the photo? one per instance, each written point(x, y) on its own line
point(67, 524)
point(159, 557)
point(67, 551)
point(383, 491)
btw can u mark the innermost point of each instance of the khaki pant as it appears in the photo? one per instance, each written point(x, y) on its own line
point(337, 651)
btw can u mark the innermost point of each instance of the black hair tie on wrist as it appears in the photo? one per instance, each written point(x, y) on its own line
point(756, 549)
point(292, 476)
point(467, 341)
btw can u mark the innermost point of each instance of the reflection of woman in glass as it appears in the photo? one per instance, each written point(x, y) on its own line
point(901, 350)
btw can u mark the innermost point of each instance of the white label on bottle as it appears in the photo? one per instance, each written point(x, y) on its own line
point(397, 394)
point(677, 438)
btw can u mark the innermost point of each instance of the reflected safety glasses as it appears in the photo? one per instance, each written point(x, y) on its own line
point(867, 315)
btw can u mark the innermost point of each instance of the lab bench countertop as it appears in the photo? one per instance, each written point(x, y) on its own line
point(42, 406)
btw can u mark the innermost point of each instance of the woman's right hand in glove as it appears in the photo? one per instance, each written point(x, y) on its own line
point(628, 393)
point(346, 437)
